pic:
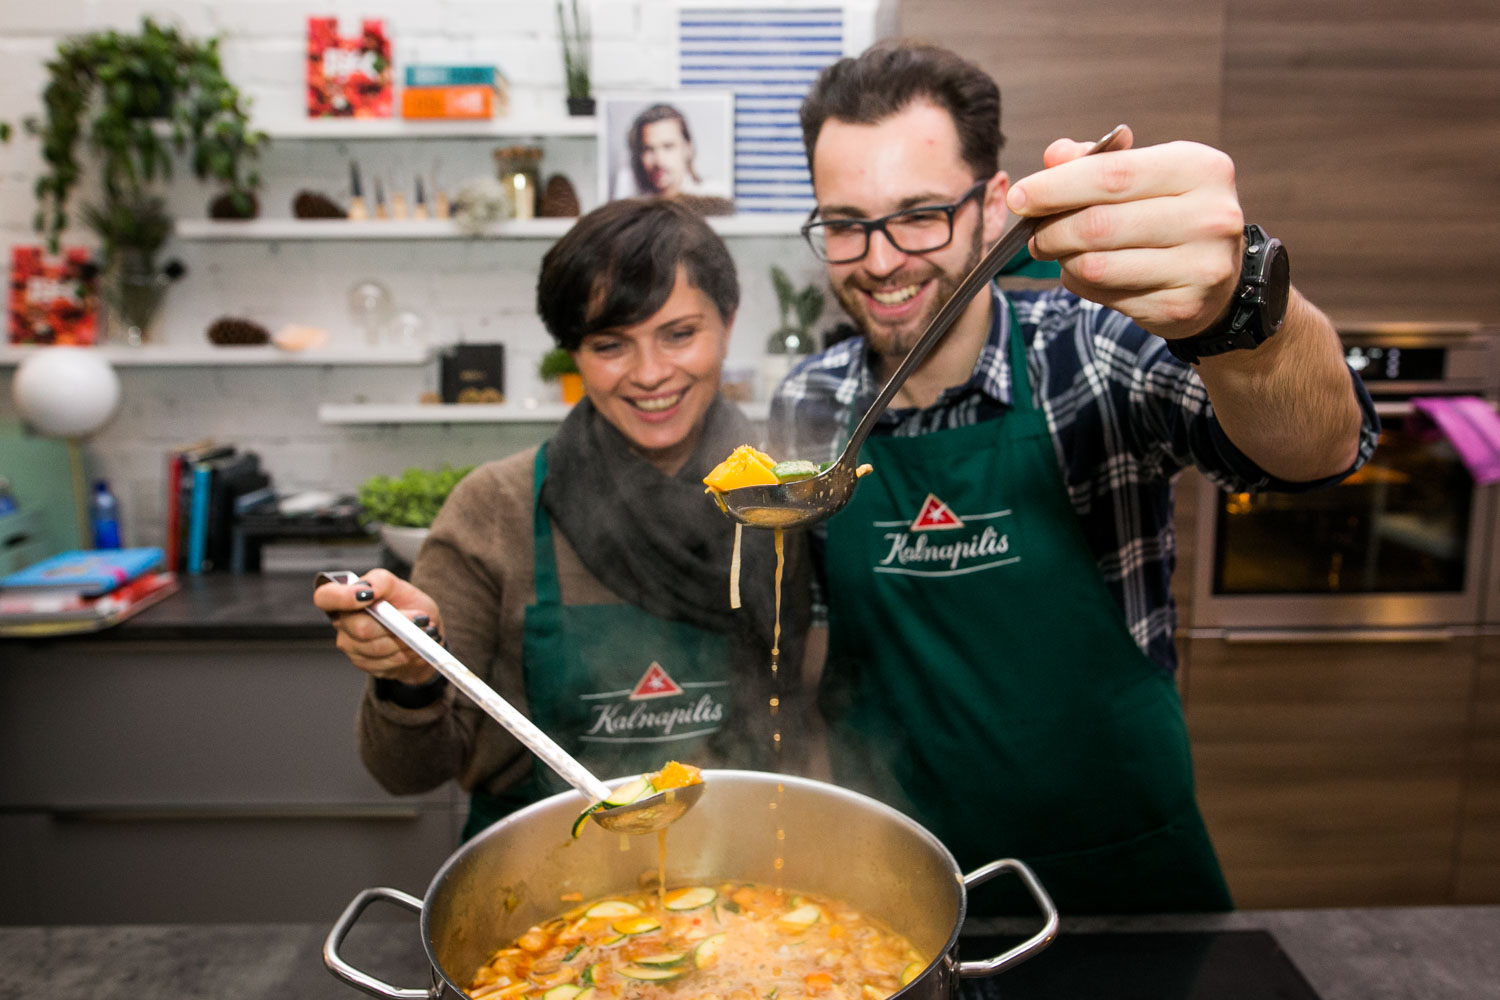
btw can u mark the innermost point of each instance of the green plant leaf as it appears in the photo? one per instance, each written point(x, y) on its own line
point(555, 363)
point(809, 306)
point(410, 500)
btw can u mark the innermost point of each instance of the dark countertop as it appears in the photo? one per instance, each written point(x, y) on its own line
point(1416, 953)
point(217, 606)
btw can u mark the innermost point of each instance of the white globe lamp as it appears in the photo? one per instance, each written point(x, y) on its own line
point(68, 393)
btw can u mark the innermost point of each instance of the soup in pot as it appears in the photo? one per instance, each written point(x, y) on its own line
point(732, 941)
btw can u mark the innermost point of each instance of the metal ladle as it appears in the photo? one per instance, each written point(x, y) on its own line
point(808, 501)
point(644, 815)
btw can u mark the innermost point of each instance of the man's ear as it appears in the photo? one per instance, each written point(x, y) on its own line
point(995, 211)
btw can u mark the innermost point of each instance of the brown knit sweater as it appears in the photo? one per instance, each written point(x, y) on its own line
point(477, 565)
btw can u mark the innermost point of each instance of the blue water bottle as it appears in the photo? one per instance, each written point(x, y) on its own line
point(105, 511)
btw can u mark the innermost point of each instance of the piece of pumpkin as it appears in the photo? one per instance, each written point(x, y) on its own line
point(745, 466)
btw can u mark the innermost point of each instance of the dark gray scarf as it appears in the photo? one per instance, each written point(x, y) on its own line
point(660, 542)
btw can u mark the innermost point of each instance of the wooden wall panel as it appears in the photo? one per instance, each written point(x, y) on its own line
point(1366, 134)
point(1077, 70)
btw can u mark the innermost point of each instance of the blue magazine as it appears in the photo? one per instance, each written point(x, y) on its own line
point(84, 572)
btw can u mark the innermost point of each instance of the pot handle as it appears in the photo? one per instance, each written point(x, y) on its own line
point(363, 980)
point(1031, 945)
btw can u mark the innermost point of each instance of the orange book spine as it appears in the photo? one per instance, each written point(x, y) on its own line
point(463, 101)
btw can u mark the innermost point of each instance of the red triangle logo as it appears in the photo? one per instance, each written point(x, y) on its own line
point(655, 683)
point(935, 516)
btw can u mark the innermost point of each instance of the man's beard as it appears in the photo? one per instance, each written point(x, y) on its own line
point(895, 342)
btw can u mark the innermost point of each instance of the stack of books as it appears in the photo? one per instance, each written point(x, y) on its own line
point(82, 591)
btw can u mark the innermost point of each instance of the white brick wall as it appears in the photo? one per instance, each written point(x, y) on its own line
point(481, 291)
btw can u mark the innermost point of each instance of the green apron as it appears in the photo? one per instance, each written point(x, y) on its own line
point(620, 689)
point(981, 676)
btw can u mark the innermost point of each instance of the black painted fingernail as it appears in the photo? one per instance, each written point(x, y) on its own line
point(421, 621)
point(435, 632)
point(363, 595)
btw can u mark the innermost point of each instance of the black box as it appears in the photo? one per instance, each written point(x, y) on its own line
point(473, 373)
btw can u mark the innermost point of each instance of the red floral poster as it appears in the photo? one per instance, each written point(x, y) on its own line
point(53, 300)
point(348, 77)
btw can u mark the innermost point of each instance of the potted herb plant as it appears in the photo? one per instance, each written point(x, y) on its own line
point(557, 365)
point(403, 506)
point(132, 101)
point(800, 309)
point(575, 50)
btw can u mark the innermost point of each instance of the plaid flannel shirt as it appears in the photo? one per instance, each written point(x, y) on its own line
point(1125, 417)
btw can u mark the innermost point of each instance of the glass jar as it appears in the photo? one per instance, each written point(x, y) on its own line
point(519, 169)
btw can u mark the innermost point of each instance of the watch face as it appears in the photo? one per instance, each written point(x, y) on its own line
point(1278, 287)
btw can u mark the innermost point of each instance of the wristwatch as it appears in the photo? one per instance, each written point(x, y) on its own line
point(410, 695)
point(1255, 311)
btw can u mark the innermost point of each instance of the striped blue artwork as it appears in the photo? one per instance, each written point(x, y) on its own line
point(767, 57)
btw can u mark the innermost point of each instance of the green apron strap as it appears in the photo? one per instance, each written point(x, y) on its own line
point(544, 559)
point(1023, 265)
point(1021, 396)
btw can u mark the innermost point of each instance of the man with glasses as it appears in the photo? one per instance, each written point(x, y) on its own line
point(999, 607)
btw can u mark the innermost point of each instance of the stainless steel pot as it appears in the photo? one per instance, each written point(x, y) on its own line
point(836, 843)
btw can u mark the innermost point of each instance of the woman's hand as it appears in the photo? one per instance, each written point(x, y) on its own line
point(364, 640)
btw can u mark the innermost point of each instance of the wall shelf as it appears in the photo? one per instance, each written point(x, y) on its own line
point(534, 126)
point(268, 230)
point(465, 413)
point(208, 356)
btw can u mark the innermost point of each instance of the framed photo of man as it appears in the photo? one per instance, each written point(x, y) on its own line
point(667, 143)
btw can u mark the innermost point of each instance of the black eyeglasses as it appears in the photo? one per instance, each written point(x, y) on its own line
point(912, 230)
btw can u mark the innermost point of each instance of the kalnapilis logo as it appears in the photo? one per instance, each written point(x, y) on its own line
point(656, 709)
point(941, 542)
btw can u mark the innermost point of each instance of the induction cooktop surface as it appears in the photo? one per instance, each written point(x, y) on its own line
point(1175, 965)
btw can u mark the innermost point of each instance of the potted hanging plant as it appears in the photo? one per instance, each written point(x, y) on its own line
point(575, 50)
point(557, 365)
point(132, 102)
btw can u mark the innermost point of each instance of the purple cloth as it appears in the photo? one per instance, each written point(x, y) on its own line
point(1471, 425)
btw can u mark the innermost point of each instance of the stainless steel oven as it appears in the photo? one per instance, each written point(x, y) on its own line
point(1403, 543)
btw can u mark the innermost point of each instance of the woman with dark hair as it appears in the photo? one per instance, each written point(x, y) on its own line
point(587, 579)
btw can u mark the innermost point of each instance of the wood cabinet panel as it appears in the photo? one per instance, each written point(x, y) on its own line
point(1330, 774)
point(1478, 878)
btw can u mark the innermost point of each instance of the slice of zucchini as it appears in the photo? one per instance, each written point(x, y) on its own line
point(583, 818)
point(692, 898)
point(912, 971)
point(647, 974)
point(567, 991)
point(662, 959)
point(794, 469)
point(636, 925)
point(612, 909)
point(707, 951)
point(587, 994)
point(591, 974)
point(627, 793)
point(801, 918)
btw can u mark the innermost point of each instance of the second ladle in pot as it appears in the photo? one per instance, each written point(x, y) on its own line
point(803, 502)
point(644, 815)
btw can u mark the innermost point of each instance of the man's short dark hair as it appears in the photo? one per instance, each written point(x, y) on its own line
point(885, 78)
point(619, 264)
point(655, 113)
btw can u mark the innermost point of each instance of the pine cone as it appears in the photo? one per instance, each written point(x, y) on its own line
point(559, 200)
point(312, 205)
point(232, 331)
point(224, 207)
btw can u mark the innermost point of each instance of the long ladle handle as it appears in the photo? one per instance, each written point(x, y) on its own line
point(481, 694)
point(983, 273)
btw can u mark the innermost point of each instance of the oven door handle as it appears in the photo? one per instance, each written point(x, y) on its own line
point(1265, 635)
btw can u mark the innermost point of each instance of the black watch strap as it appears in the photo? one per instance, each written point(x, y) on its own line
point(1255, 311)
point(410, 695)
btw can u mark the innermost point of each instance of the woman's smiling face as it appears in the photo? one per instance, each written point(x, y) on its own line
point(655, 380)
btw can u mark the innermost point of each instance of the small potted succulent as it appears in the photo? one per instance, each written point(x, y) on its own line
point(404, 506)
point(557, 365)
